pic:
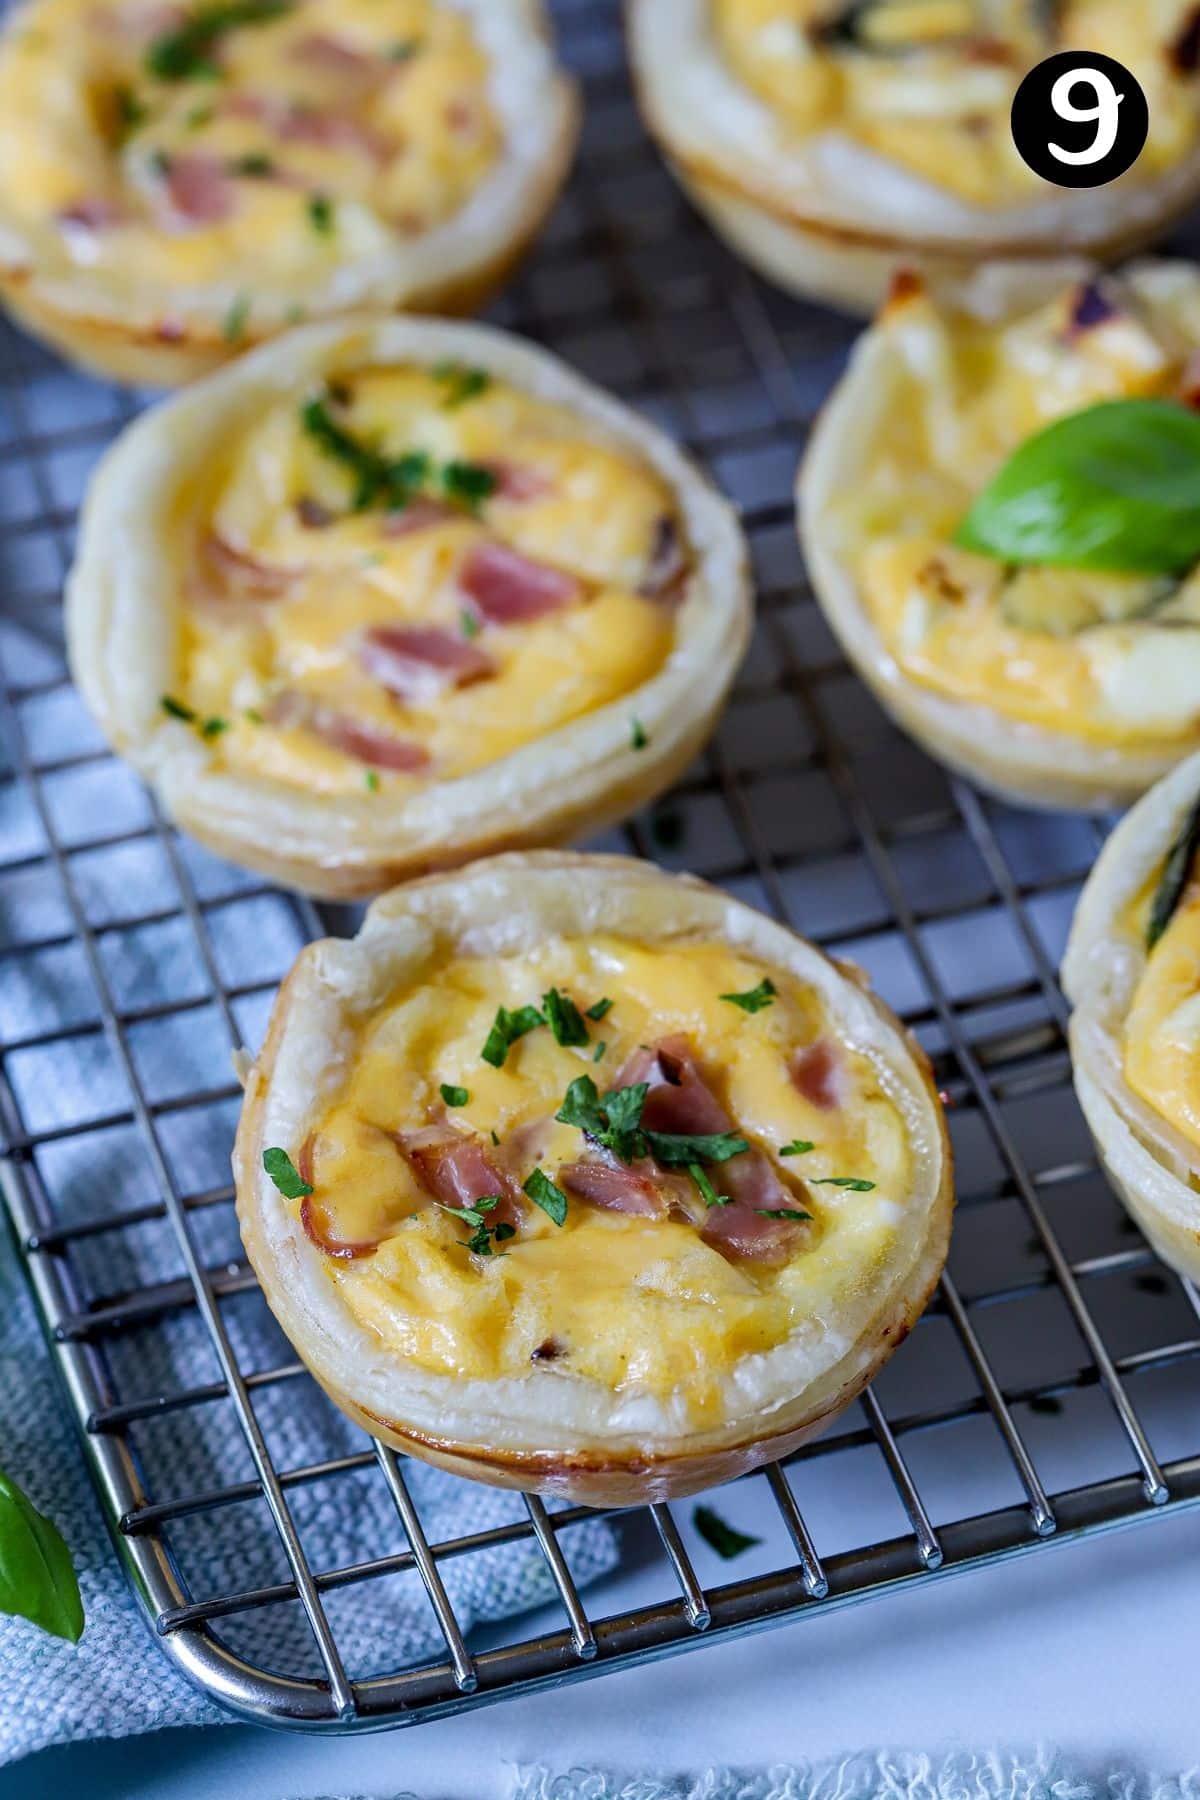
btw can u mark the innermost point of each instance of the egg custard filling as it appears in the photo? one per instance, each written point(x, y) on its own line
point(929, 84)
point(409, 572)
point(276, 138)
point(636, 1163)
point(1161, 1045)
point(1108, 657)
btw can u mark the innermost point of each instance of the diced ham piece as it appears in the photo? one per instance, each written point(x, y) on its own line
point(680, 1100)
point(198, 189)
point(819, 1074)
point(457, 1170)
point(242, 574)
point(615, 1188)
point(353, 737)
point(418, 515)
point(316, 1228)
point(417, 662)
point(519, 483)
point(510, 589)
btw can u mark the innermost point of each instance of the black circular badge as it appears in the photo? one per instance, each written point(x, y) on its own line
point(1080, 119)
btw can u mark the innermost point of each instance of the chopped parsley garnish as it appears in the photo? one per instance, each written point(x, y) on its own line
point(598, 1055)
point(543, 1193)
point(469, 623)
point(177, 709)
point(199, 115)
point(507, 1027)
point(470, 484)
point(797, 1147)
point(484, 1237)
point(320, 213)
point(404, 49)
point(853, 1182)
point(708, 1192)
point(781, 1212)
point(637, 735)
point(234, 322)
point(564, 1018)
point(460, 383)
point(255, 166)
point(371, 781)
point(724, 1539)
point(187, 52)
point(454, 1096)
point(756, 998)
point(600, 1009)
point(255, 717)
point(285, 1174)
point(615, 1123)
point(130, 111)
point(212, 728)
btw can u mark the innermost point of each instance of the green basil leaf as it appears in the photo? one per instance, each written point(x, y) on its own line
point(37, 1578)
point(1177, 872)
point(1116, 486)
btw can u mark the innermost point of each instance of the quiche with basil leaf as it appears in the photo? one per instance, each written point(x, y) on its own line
point(1002, 518)
point(385, 595)
point(1132, 973)
point(180, 181)
point(835, 141)
point(663, 1239)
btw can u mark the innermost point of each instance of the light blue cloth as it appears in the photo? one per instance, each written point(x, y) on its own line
point(118, 1681)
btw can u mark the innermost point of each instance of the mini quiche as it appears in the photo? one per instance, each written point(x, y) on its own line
point(387, 594)
point(180, 180)
point(570, 1175)
point(1132, 973)
point(1000, 519)
point(833, 141)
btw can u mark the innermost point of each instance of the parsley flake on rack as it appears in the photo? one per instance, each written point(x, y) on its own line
point(564, 1019)
point(285, 1174)
point(724, 1539)
point(797, 1147)
point(454, 1096)
point(507, 1027)
point(186, 53)
point(854, 1182)
point(460, 383)
point(756, 998)
point(543, 1193)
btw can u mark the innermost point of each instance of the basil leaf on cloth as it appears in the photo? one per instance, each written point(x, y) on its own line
point(1116, 486)
point(37, 1577)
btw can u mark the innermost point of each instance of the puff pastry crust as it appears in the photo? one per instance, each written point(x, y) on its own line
point(168, 197)
point(628, 1353)
point(586, 609)
point(1055, 687)
point(837, 142)
point(1134, 1037)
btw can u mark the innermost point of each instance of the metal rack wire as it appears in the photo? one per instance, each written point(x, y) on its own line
point(1051, 1389)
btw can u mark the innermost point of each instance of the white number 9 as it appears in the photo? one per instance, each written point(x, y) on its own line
point(1105, 114)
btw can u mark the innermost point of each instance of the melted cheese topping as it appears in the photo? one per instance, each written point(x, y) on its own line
point(1100, 656)
point(929, 84)
point(1162, 1027)
point(577, 506)
point(300, 137)
point(630, 1302)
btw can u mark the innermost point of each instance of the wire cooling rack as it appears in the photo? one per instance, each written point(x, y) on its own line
point(1051, 1389)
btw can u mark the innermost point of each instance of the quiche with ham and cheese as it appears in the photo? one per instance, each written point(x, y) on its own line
point(1132, 973)
point(384, 595)
point(835, 141)
point(570, 1175)
point(1059, 683)
point(178, 181)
